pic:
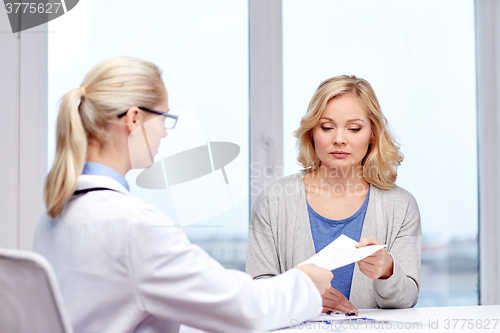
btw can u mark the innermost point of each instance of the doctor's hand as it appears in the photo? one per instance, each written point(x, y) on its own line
point(334, 300)
point(321, 277)
point(378, 265)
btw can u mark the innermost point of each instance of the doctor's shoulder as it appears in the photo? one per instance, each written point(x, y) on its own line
point(109, 207)
point(138, 211)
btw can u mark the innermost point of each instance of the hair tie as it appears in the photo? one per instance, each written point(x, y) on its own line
point(83, 91)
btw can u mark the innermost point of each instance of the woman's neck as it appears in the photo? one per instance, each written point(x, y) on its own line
point(108, 155)
point(338, 181)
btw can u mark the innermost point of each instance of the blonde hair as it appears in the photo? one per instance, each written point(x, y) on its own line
point(383, 157)
point(111, 87)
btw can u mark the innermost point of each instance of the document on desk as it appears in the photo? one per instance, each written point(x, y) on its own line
point(338, 318)
point(341, 252)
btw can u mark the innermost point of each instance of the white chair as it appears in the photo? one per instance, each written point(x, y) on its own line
point(30, 300)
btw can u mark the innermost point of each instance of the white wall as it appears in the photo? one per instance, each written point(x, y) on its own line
point(9, 135)
point(23, 157)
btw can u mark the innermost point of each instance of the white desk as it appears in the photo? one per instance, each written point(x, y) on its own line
point(442, 319)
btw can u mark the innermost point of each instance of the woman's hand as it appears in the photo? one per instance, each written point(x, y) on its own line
point(321, 277)
point(334, 300)
point(378, 265)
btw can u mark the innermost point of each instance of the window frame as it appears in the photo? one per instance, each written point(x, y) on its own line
point(25, 136)
point(488, 108)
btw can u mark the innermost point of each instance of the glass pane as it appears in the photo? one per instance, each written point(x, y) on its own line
point(202, 49)
point(419, 56)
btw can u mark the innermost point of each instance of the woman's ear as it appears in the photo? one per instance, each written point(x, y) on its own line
point(133, 118)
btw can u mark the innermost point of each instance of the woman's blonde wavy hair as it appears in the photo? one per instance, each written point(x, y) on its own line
point(383, 157)
point(111, 87)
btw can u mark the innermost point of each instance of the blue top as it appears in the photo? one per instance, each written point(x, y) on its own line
point(98, 169)
point(324, 231)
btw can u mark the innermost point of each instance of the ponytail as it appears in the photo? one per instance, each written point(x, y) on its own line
point(70, 154)
point(111, 87)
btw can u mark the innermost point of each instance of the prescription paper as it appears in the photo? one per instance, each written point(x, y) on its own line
point(341, 252)
point(338, 318)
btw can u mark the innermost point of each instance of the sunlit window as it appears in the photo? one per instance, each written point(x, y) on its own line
point(202, 49)
point(419, 56)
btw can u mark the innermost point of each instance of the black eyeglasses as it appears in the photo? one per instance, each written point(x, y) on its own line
point(170, 119)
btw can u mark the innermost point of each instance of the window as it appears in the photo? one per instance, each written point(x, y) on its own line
point(202, 49)
point(419, 56)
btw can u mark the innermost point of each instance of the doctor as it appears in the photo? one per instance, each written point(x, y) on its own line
point(122, 265)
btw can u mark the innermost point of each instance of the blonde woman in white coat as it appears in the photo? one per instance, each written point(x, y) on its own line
point(121, 263)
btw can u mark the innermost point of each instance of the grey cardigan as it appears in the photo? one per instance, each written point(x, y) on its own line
point(280, 238)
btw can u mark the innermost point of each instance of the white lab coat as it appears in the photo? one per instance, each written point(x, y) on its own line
point(123, 266)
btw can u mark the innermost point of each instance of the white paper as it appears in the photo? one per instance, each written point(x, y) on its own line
point(341, 252)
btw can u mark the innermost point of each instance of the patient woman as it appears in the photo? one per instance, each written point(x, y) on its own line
point(349, 161)
point(121, 263)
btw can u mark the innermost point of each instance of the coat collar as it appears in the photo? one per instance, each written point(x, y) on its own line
point(90, 181)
